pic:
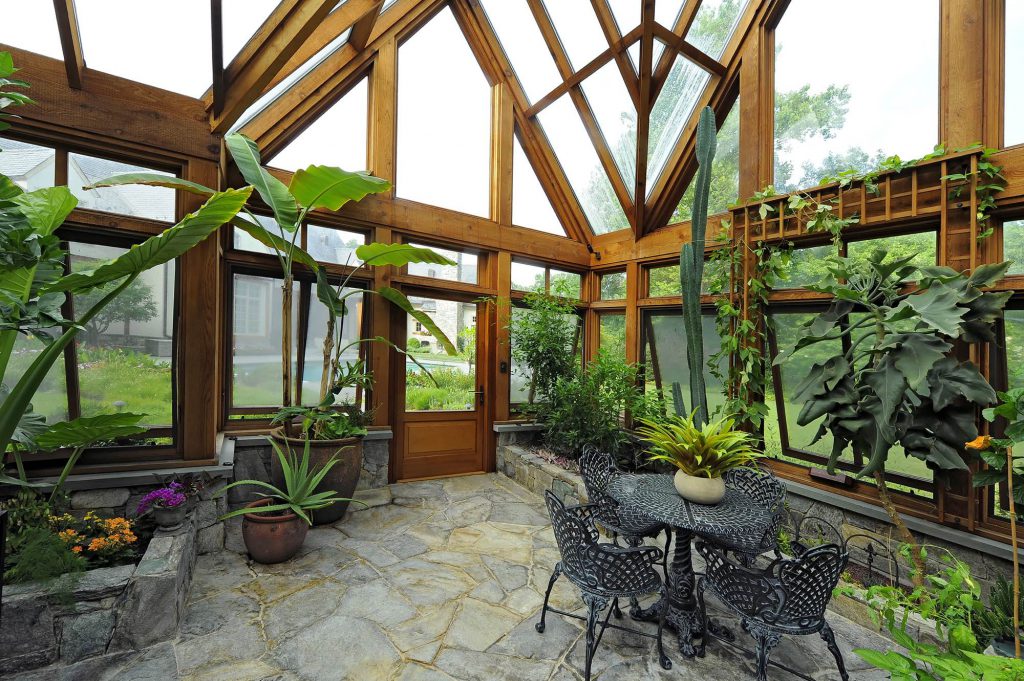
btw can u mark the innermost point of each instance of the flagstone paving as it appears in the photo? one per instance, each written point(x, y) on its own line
point(435, 581)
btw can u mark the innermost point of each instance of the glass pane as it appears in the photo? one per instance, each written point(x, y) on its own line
point(156, 203)
point(336, 138)
point(464, 269)
point(1013, 106)
point(579, 160)
point(578, 30)
point(144, 41)
point(444, 124)
point(806, 266)
point(922, 246)
point(51, 399)
point(527, 277)
point(627, 14)
point(1013, 243)
point(31, 26)
point(831, 116)
point(616, 116)
point(530, 205)
point(31, 167)
point(256, 340)
point(664, 281)
point(338, 246)
point(125, 351)
point(667, 11)
point(725, 171)
point(665, 352)
point(613, 286)
point(714, 25)
point(520, 377)
point(613, 334)
point(243, 242)
point(453, 385)
point(524, 46)
point(565, 284)
point(1014, 321)
point(241, 19)
point(671, 111)
point(313, 366)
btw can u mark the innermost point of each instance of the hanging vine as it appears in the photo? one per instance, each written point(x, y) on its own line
point(990, 181)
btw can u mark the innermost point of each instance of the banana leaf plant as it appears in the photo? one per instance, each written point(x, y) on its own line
point(312, 188)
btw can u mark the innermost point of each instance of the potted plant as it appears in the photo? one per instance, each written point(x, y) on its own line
point(702, 454)
point(275, 527)
point(168, 504)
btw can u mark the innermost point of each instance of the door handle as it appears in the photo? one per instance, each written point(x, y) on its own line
point(480, 395)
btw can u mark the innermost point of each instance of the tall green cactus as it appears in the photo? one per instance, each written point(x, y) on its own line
point(691, 268)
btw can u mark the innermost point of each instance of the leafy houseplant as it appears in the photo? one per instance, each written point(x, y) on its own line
point(275, 527)
point(168, 505)
point(894, 384)
point(545, 340)
point(702, 453)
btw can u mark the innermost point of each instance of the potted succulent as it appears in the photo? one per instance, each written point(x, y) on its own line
point(275, 527)
point(702, 454)
point(169, 506)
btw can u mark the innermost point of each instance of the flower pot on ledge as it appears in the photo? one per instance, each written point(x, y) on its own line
point(169, 518)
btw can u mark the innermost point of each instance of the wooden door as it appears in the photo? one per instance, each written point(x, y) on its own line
point(440, 420)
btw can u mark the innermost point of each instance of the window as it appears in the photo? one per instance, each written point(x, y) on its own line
point(725, 171)
point(336, 138)
point(664, 280)
point(664, 351)
point(530, 205)
point(616, 116)
point(835, 115)
point(807, 266)
point(313, 358)
point(464, 269)
point(672, 110)
point(1013, 243)
point(155, 203)
point(1013, 319)
point(541, 279)
point(922, 246)
point(28, 165)
point(613, 334)
point(1013, 88)
point(578, 30)
point(528, 277)
point(444, 124)
point(613, 286)
point(256, 357)
point(565, 284)
point(241, 20)
point(452, 384)
point(524, 45)
point(252, 306)
point(336, 246)
point(714, 25)
point(520, 388)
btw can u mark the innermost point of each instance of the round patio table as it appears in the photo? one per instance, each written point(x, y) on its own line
point(737, 523)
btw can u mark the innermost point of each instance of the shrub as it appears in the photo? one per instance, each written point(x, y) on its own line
point(544, 340)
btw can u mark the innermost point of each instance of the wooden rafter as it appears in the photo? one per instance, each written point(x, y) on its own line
point(280, 36)
point(362, 29)
point(217, 48)
point(70, 41)
point(680, 29)
point(643, 125)
point(618, 45)
point(676, 44)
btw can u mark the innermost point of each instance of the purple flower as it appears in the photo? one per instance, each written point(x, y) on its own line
point(165, 497)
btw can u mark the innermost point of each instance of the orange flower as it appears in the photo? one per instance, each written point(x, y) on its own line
point(97, 544)
point(979, 443)
point(76, 549)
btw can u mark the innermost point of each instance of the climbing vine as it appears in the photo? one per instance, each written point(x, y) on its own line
point(990, 182)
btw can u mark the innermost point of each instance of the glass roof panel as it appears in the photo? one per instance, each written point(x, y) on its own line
point(616, 116)
point(524, 45)
point(578, 30)
point(579, 160)
point(530, 205)
point(241, 18)
point(686, 81)
point(627, 14)
point(444, 124)
point(31, 26)
point(387, 4)
point(145, 43)
point(336, 138)
point(725, 171)
point(714, 25)
point(1013, 104)
point(667, 11)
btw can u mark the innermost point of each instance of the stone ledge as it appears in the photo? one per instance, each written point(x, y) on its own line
point(539, 476)
point(517, 427)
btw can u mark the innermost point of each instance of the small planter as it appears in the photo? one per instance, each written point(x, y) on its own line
point(342, 478)
point(170, 517)
point(272, 538)
point(701, 490)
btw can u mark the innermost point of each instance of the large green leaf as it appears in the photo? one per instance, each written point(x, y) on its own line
point(950, 381)
point(164, 247)
point(915, 354)
point(273, 192)
point(8, 188)
point(47, 208)
point(84, 431)
point(331, 188)
point(274, 241)
point(154, 180)
point(987, 275)
point(396, 298)
point(376, 254)
point(937, 307)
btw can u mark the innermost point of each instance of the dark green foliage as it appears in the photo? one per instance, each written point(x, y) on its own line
point(996, 621)
point(545, 338)
point(42, 555)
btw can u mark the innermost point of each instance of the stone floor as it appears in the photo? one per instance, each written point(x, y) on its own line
point(435, 581)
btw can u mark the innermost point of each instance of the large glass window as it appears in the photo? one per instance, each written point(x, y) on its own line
point(524, 45)
point(526, 277)
point(664, 280)
point(336, 138)
point(452, 383)
point(1013, 243)
point(672, 110)
point(807, 266)
point(530, 205)
point(613, 286)
point(521, 389)
point(155, 203)
point(30, 166)
point(613, 333)
point(565, 284)
point(1013, 89)
point(464, 269)
point(714, 25)
point(444, 124)
point(241, 20)
point(922, 246)
point(836, 114)
point(665, 354)
point(337, 246)
point(1014, 322)
point(256, 340)
point(313, 360)
point(616, 116)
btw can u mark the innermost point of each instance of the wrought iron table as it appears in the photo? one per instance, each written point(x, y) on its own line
point(737, 523)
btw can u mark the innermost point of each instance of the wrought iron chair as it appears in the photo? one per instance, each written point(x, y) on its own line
point(766, 490)
point(788, 596)
point(603, 573)
point(598, 469)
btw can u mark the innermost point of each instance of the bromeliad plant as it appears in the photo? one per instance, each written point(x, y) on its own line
point(705, 451)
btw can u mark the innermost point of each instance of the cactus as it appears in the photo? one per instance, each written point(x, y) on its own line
point(691, 267)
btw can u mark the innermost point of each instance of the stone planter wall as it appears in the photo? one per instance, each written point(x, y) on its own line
point(103, 611)
point(531, 471)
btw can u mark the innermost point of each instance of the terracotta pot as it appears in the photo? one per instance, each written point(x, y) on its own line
point(342, 478)
point(170, 517)
point(272, 538)
point(701, 490)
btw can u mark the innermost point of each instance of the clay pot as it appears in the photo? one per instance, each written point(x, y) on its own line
point(170, 517)
point(701, 490)
point(342, 478)
point(272, 538)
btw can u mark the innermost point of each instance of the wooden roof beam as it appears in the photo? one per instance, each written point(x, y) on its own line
point(362, 29)
point(643, 118)
point(680, 29)
point(70, 41)
point(674, 43)
point(280, 36)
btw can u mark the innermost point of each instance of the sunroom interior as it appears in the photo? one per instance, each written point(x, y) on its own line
point(425, 206)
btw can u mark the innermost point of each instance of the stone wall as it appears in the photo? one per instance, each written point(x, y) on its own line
point(531, 471)
point(102, 611)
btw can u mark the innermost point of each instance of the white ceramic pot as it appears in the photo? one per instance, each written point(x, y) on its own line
point(700, 490)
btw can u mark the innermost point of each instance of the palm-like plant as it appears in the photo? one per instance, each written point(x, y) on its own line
point(706, 451)
point(300, 481)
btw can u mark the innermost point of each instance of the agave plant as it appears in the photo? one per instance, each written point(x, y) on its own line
point(300, 481)
point(706, 451)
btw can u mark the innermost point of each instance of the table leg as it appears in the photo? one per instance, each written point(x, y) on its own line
point(682, 615)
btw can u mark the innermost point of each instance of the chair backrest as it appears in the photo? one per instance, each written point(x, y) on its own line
point(597, 469)
point(574, 533)
point(760, 485)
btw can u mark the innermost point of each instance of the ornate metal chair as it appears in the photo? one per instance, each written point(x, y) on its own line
point(766, 490)
point(788, 596)
point(603, 573)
